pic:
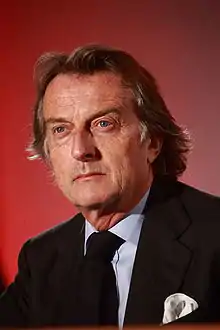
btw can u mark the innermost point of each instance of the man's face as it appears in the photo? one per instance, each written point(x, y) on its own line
point(93, 138)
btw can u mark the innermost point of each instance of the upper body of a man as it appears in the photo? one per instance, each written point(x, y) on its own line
point(116, 153)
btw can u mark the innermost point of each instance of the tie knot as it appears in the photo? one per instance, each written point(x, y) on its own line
point(103, 245)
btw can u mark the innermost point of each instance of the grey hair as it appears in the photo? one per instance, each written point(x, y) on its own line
point(156, 120)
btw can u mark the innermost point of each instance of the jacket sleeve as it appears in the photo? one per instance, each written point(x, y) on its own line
point(15, 300)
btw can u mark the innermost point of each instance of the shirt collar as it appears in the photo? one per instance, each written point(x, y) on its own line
point(128, 228)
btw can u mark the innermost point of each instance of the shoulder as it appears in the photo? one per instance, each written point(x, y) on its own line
point(165, 189)
point(197, 199)
point(61, 231)
point(203, 209)
point(55, 239)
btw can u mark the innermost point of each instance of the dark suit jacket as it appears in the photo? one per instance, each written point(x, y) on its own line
point(178, 251)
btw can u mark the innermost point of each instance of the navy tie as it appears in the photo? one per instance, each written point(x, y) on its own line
point(97, 291)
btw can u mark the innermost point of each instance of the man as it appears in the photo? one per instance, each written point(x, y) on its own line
point(116, 153)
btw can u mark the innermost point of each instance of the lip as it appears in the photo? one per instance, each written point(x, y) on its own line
point(87, 176)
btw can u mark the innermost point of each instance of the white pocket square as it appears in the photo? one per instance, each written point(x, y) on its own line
point(178, 305)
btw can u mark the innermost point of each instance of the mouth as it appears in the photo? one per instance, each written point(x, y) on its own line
point(88, 176)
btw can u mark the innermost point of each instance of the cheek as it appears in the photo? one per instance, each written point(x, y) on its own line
point(121, 164)
point(128, 161)
point(59, 161)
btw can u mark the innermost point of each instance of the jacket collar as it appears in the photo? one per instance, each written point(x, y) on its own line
point(162, 256)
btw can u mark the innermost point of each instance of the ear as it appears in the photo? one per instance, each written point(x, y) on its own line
point(47, 154)
point(154, 148)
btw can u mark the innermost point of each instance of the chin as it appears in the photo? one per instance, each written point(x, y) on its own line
point(87, 201)
point(91, 201)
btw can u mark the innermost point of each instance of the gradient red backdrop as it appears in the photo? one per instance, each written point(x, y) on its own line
point(177, 40)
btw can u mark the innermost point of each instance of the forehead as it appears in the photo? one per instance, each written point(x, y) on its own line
point(88, 92)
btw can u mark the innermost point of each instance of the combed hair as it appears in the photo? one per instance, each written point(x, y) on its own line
point(156, 120)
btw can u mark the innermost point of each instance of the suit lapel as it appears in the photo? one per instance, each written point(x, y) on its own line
point(162, 257)
point(62, 279)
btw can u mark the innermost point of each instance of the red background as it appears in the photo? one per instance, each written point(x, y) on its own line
point(177, 40)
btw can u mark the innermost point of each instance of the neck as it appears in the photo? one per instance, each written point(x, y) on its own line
point(104, 222)
point(105, 217)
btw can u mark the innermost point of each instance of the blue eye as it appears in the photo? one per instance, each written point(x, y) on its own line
point(58, 129)
point(104, 123)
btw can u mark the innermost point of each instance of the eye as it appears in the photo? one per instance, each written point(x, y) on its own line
point(58, 129)
point(104, 123)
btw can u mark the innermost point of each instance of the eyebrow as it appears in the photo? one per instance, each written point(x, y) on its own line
point(53, 120)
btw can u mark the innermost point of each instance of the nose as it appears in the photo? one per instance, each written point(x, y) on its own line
point(83, 147)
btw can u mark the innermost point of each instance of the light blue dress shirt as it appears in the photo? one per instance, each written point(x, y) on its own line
point(129, 229)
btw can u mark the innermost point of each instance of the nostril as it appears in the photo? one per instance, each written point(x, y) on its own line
point(89, 156)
